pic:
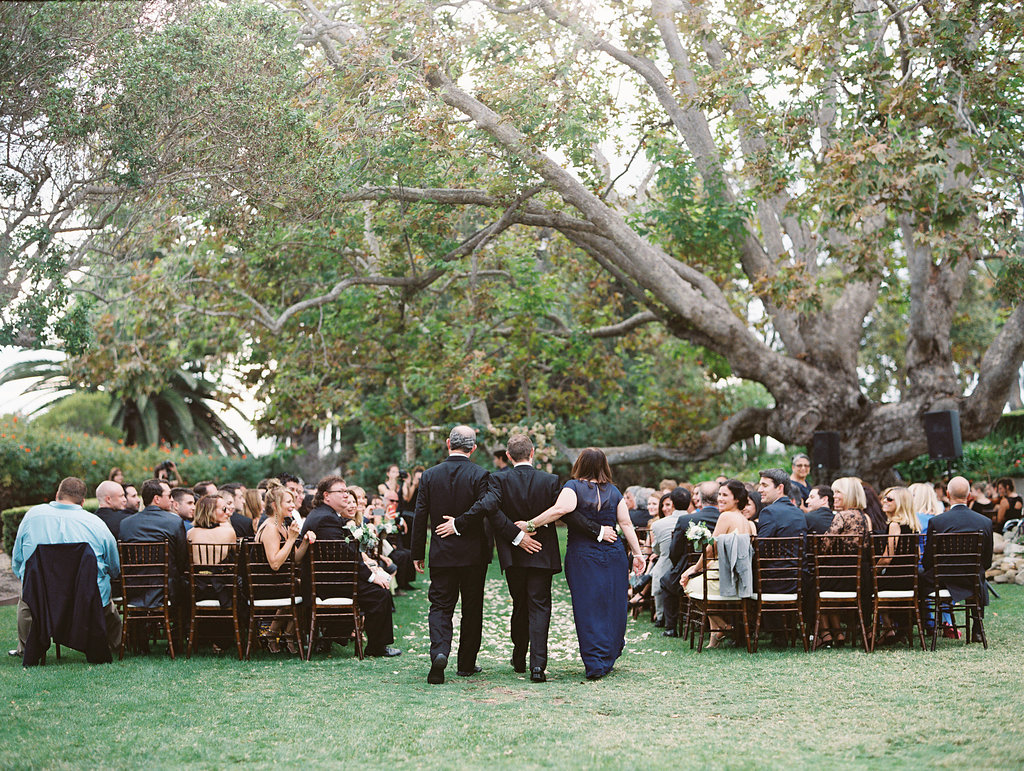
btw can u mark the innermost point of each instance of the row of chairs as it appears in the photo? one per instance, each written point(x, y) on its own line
point(846, 575)
point(232, 584)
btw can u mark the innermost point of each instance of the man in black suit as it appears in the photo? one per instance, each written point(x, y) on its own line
point(958, 518)
point(327, 521)
point(156, 523)
point(112, 501)
point(454, 498)
point(779, 518)
point(819, 515)
point(705, 498)
point(523, 493)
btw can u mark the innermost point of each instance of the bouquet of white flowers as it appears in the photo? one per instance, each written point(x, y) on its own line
point(386, 527)
point(699, 535)
point(365, 535)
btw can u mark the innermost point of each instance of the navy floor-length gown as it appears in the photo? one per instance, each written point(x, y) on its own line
point(598, 578)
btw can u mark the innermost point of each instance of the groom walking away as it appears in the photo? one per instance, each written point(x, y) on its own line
point(523, 493)
point(454, 497)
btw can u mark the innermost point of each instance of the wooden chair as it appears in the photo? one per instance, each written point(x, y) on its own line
point(145, 576)
point(837, 578)
point(777, 571)
point(894, 587)
point(956, 562)
point(269, 591)
point(709, 604)
point(214, 569)
point(334, 604)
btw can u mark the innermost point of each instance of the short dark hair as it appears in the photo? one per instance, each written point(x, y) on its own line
point(71, 489)
point(231, 487)
point(518, 448)
point(284, 478)
point(200, 488)
point(824, 491)
point(180, 494)
point(680, 499)
point(592, 463)
point(323, 486)
point(151, 488)
point(778, 477)
point(1005, 482)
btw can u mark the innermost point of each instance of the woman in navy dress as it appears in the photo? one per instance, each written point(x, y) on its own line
point(597, 571)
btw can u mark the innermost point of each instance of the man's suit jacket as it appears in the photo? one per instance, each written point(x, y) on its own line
point(113, 518)
point(330, 526)
point(960, 519)
point(156, 524)
point(459, 488)
point(523, 493)
point(819, 521)
point(781, 519)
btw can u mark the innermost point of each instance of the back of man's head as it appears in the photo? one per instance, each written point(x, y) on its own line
point(958, 489)
point(108, 493)
point(519, 448)
point(462, 439)
point(708, 493)
point(680, 499)
point(151, 488)
point(71, 490)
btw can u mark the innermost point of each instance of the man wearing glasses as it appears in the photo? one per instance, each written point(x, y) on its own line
point(801, 468)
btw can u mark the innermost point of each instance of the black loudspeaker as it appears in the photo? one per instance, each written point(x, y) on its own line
point(943, 431)
point(825, 450)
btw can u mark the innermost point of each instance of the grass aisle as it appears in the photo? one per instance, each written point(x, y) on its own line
point(664, 706)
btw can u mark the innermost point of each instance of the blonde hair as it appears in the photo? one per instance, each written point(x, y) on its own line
point(206, 511)
point(925, 501)
point(273, 502)
point(252, 504)
point(853, 492)
point(904, 513)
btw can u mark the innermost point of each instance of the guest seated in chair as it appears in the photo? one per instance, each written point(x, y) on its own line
point(279, 541)
point(732, 499)
point(212, 523)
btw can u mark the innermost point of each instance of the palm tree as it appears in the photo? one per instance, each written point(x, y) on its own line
point(180, 412)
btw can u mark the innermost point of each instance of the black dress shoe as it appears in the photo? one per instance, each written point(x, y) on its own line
point(388, 652)
point(475, 671)
point(537, 675)
point(518, 666)
point(436, 674)
point(659, 622)
point(670, 633)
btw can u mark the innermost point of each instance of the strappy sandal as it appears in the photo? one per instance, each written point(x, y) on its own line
point(825, 641)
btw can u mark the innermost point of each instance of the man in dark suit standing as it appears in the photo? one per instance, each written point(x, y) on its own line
point(156, 523)
point(819, 515)
point(523, 493)
point(958, 518)
point(454, 498)
point(705, 498)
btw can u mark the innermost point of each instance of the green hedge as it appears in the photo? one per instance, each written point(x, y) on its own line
point(11, 518)
point(33, 461)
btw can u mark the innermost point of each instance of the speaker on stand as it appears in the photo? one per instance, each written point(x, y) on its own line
point(942, 429)
point(825, 455)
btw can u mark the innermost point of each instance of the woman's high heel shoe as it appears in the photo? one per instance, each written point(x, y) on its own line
point(716, 639)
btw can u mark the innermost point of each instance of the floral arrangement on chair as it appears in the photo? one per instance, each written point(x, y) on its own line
point(699, 535)
point(365, 535)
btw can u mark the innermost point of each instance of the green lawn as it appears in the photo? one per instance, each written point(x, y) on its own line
point(664, 706)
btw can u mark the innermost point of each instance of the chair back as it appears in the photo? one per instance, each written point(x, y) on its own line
point(262, 581)
point(837, 561)
point(214, 570)
point(957, 559)
point(894, 562)
point(777, 564)
point(334, 570)
point(145, 572)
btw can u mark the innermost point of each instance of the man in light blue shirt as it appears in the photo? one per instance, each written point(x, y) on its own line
point(65, 521)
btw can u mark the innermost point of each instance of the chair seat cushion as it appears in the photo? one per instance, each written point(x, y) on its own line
point(282, 602)
point(720, 598)
point(334, 601)
point(769, 597)
point(896, 594)
point(208, 603)
point(943, 593)
point(837, 595)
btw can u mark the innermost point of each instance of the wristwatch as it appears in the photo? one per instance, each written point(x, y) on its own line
point(530, 527)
